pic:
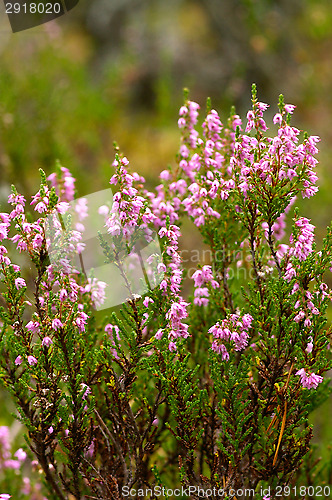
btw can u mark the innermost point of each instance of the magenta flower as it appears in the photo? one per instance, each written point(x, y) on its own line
point(233, 329)
point(47, 341)
point(63, 295)
point(32, 360)
point(65, 185)
point(310, 345)
point(147, 301)
point(20, 455)
point(4, 228)
point(33, 326)
point(37, 242)
point(310, 381)
point(56, 324)
point(18, 360)
point(20, 283)
point(277, 119)
point(159, 334)
point(289, 108)
point(81, 321)
point(86, 390)
point(41, 207)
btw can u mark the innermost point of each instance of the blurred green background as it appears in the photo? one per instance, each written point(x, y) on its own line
point(114, 70)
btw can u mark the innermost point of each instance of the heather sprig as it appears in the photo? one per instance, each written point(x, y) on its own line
point(211, 387)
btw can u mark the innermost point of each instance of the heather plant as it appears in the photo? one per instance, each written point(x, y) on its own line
point(209, 392)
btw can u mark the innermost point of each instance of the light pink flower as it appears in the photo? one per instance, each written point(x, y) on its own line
point(18, 360)
point(20, 455)
point(47, 341)
point(32, 360)
point(20, 283)
point(309, 381)
point(56, 324)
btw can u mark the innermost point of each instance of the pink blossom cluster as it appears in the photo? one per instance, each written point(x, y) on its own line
point(187, 121)
point(96, 288)
point(113, 330)
point(6, 459)
point(171, 286)
point(304, 240)
point(278, 227)
point(198, 184)
point(207, 162)
point(301, 246)
point(255, 117)
point(233, 329)
point(129, 209)
point(16, 462)
point(308, 309)
point(309, 380)
point(203, 277)
point(265, 165)
point(64, 184)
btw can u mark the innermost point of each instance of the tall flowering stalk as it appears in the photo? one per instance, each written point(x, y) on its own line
point(211, 390)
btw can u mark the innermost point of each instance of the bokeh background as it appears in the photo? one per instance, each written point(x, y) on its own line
point(114, 70)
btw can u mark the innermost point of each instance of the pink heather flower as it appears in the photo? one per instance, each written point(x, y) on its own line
point(20, 283)
point(4, 228)
point(86, 390)
point(62, 207)
point(159, 334)
point(165, 175)
point(147, 301)
point(63, 295)
point(262, 106)
point(203, 276)
point(33, 326)
point(56, 324)
point(220, 349)
point(37, 242)
point(20, 455)
point(97, 290)
point(172, 346)
point(81, 208)
point(290, 272)
point(5, 496)
point(277, 119)
point(113, 330)
point(201, 295)
point(310, 381)
point(81, 321)
point(47, 341)
point(305, 239)
point(64, 186)
point(234, 329)
point(104, 210)
point(247, 319)
point(289, 108)
point(183, 111)
point(32, 360)
point(299, 316)
point(41, 207)
point(310, 346)
point(50, 430)
point(18, 360)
